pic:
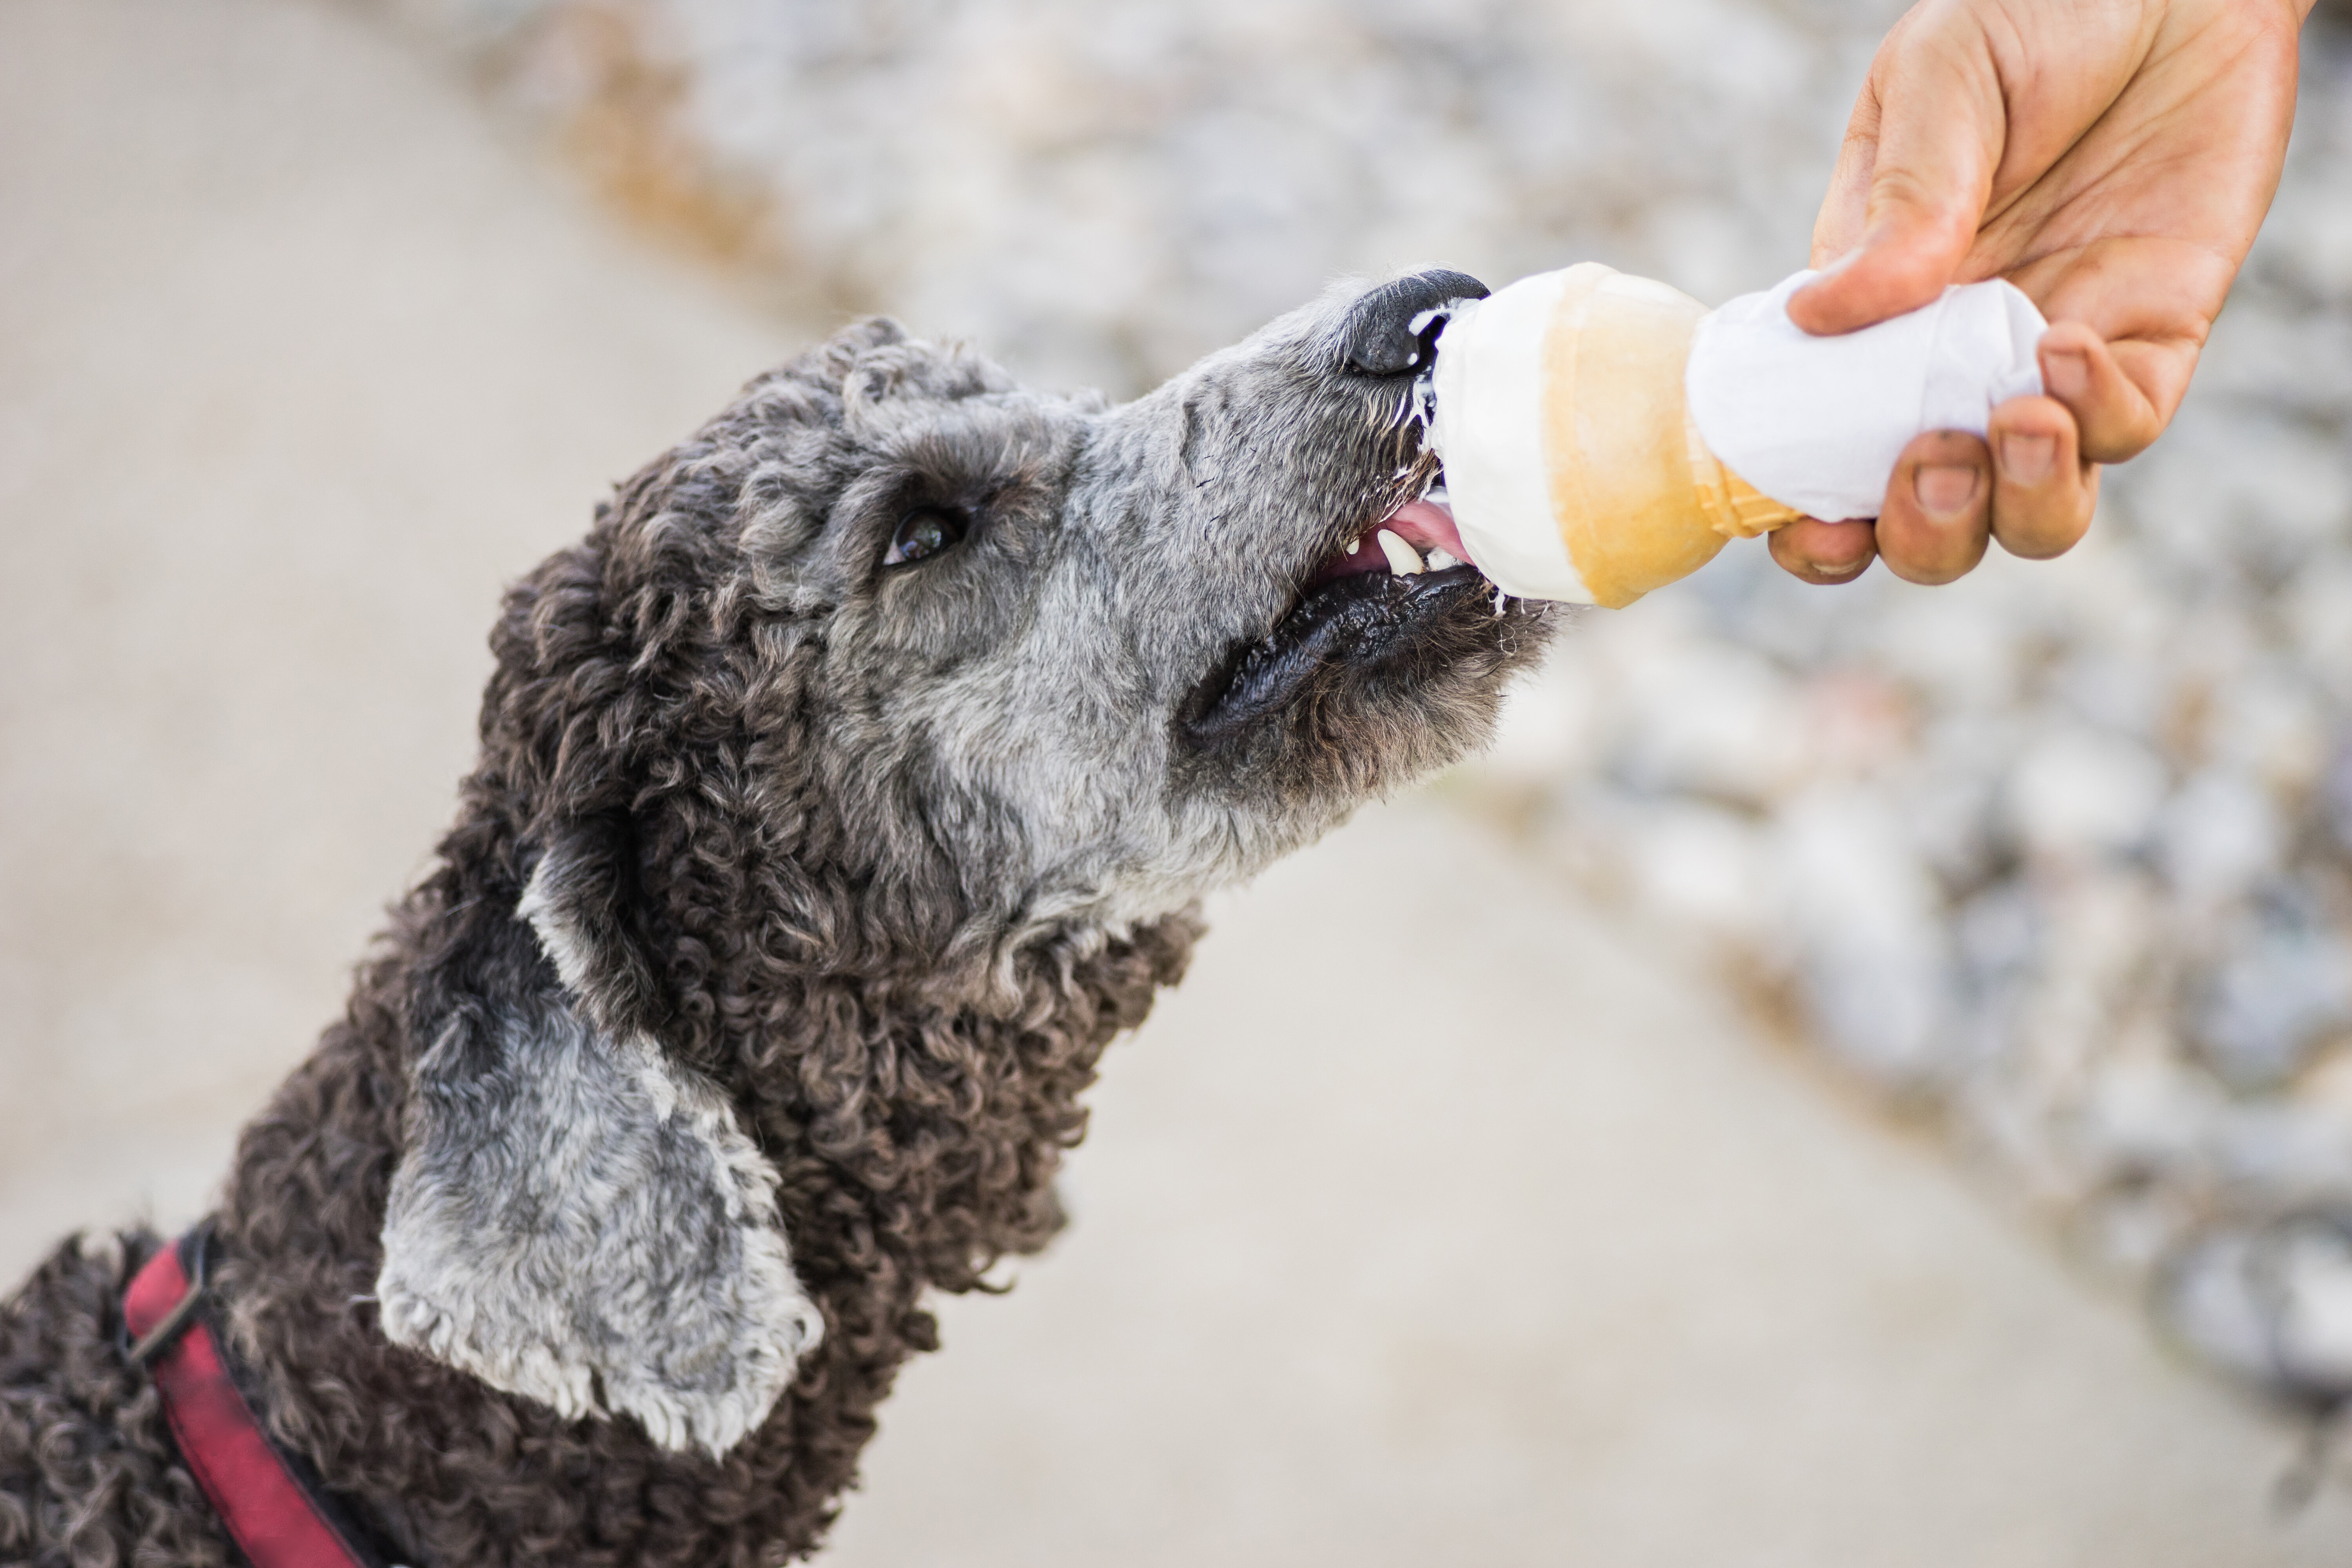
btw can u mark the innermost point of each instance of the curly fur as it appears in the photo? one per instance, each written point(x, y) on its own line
point(786, 914)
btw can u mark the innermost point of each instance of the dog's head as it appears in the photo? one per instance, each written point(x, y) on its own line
point(900, 670)
point(1056, 663)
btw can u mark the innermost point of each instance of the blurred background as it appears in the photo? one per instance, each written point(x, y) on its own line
point(1860, 1075)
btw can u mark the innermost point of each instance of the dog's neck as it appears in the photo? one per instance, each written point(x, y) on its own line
point(914, 1143)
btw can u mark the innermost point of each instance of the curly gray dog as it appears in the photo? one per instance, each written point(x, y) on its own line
point(841, 796)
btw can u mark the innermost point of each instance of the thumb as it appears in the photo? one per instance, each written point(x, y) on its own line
point(1918, 160)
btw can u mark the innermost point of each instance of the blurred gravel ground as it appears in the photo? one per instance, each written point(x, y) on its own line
point(1520, 1246)
point(1103, 193)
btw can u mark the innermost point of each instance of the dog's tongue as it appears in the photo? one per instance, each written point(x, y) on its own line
point(1428, 525)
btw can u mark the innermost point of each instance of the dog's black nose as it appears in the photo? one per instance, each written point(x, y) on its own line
point(1389, 331)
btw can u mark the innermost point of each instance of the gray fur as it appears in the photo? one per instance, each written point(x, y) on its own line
point(581, 1214)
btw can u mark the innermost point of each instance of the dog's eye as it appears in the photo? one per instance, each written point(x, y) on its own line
point(926, 530)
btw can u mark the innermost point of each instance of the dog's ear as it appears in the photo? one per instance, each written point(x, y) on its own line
point(577, 1217)
point(580, 1220)
point(582, 901)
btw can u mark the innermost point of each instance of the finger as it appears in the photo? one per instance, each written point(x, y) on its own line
point(2112, 414)
point(1938, 508)
point(1910, 250)
point(1929, 127)
point(1845, 209)
point(1824, 552)
point(2044, 493)
point(1838, 229)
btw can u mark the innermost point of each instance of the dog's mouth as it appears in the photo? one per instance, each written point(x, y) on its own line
point(1418, 538)
point(1360, 611)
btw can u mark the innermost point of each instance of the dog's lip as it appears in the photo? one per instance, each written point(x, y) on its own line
point(1352, 607)
point(1427, 524)
point(1360, 619)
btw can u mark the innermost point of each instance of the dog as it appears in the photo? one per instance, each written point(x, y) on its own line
point(841, 796)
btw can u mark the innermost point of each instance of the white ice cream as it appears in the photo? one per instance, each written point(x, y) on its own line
point(1488, 430)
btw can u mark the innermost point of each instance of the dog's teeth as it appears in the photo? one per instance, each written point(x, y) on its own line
point(1439, 560)
point(1402, 562)
point(1355, 544)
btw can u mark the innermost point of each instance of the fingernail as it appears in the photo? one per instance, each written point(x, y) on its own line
point(2066, 375)
point(2028, 459)
point(1944, 492)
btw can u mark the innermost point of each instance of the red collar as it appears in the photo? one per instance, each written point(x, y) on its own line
point(279, 1519)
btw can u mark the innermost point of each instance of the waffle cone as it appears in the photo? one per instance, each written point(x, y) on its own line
point(1639, 499)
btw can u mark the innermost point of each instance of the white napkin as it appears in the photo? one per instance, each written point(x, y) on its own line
point(1818, 423)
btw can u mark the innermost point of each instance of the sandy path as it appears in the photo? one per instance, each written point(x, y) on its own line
point(302, 363)
point(1426, 1261)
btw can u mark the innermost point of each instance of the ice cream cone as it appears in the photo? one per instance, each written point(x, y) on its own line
point(1589, 421)
point(1564, 395)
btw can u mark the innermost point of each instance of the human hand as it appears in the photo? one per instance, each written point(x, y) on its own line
point(2113, 159)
